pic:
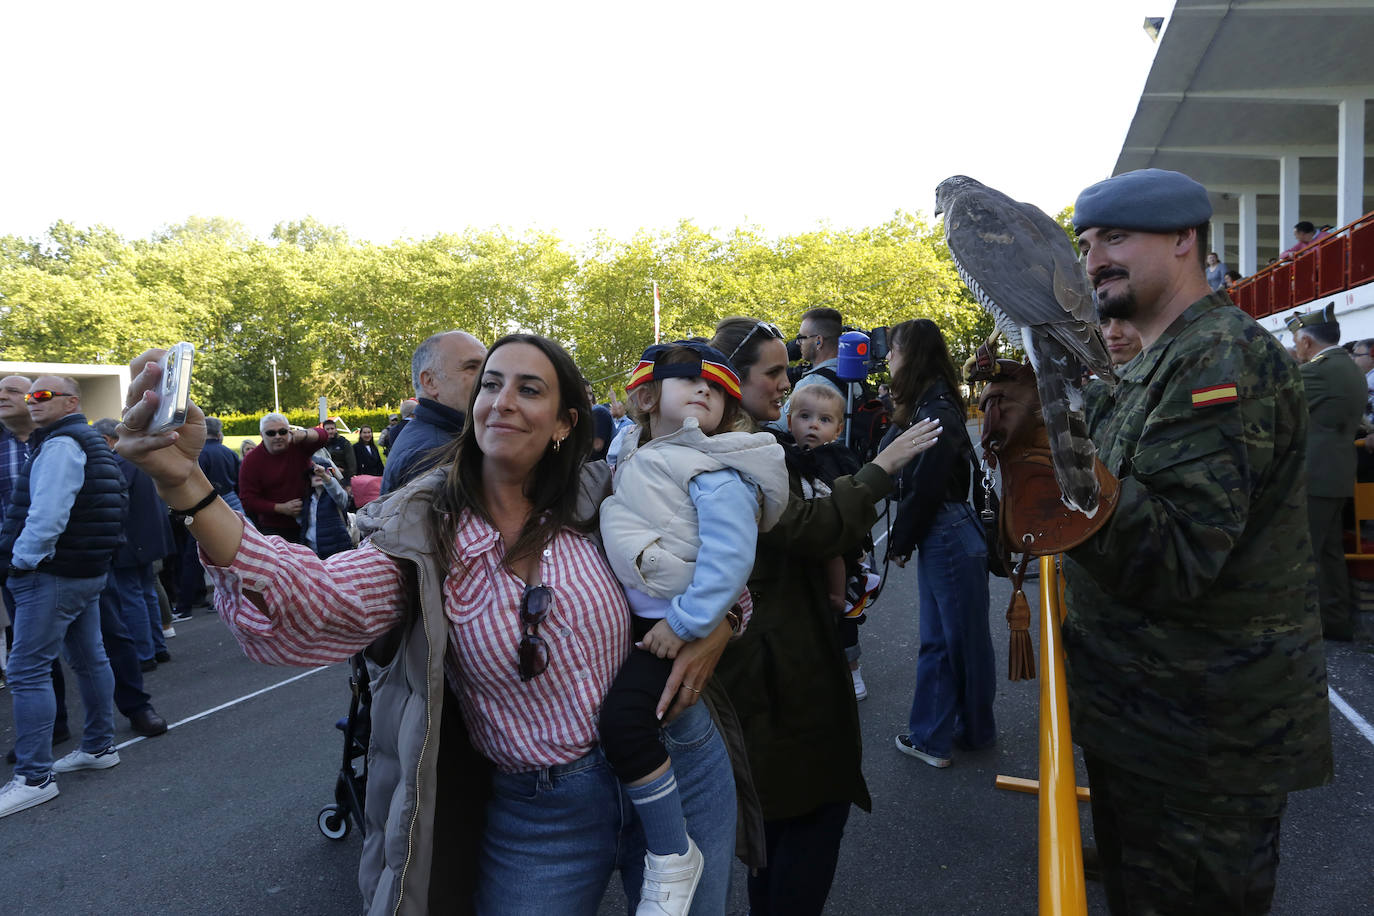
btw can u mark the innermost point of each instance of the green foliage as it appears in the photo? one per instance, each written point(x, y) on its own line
point(343, 317)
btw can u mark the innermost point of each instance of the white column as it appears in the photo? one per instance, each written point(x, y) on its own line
point(1247, 241)
point(1218, 242)
point(1350, 161)
point(1288, 201)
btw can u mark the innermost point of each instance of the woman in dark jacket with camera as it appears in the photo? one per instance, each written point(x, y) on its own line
point(955, 681)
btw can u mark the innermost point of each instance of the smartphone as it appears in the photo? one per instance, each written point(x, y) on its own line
point(175, 392)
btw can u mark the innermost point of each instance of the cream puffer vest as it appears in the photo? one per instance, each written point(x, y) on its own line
point(649, 525)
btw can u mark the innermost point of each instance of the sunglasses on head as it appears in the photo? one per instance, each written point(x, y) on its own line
point(533, 651)
point(275, 432)
point(766, 326)
point(44, 395)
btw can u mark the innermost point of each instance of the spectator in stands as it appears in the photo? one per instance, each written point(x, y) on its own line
point(1216, 271)
point(1232, 277)
point(1337, 396)
point(443, 370)
point(1306, 235)
point(272, 478)
point(340, 451)
point(366, 459)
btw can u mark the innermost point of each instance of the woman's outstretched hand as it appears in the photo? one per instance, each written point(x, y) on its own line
point(170, 457)
point(910, 443)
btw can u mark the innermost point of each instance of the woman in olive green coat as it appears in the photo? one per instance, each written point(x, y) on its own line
point(787, 675)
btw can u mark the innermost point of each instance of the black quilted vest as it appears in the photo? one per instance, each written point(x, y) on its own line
point(96, 526)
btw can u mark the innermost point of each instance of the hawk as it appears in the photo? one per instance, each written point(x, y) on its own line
point(1020, 266)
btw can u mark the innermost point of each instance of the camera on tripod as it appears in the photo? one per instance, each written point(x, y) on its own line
point(861, 354)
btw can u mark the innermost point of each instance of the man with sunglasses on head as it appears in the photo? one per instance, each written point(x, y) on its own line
point(273, 479)
point(62, 525)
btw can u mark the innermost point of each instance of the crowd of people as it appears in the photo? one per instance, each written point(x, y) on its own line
point(626, 636)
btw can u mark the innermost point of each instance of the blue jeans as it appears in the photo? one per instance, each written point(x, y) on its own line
point(556, 834)
point(56, 612)
point(132, 589)
point(955, 677)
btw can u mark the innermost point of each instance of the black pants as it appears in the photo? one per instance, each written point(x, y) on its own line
point(628, 722)
point(1166, 850)
point(802, 854)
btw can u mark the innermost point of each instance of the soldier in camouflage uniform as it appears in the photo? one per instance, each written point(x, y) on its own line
point(1197, 679)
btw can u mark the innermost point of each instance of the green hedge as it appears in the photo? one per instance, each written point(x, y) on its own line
point(246, 424)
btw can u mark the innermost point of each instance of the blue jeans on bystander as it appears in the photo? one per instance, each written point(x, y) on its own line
point(955, 677)
point(556, 834)
point(56, 613)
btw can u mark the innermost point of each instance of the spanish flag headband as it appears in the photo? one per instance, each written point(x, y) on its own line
point(710, 364)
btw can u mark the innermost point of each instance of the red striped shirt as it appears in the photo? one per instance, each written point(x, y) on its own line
point(357, 595)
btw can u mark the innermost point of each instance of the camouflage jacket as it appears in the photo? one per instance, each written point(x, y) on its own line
point(1193, 641)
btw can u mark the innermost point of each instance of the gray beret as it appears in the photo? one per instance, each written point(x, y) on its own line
point(1149, 200)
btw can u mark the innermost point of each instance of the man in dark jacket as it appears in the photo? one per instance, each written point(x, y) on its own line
point(443, 370)
point(60, 532)
point(221, 467)
point(147, 539)
point(340, 451)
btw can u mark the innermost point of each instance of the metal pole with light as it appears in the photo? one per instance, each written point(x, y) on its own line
point(276, 401)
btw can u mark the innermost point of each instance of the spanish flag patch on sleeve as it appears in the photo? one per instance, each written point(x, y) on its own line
point(1216, 394)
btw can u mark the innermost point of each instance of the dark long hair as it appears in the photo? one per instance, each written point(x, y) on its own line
point(553, 485)
point(925, 359)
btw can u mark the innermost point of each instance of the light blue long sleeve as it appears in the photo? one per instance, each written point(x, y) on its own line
point(56, 477)
point(727, 514)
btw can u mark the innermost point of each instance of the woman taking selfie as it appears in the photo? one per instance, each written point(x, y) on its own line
point(955, 682)
point(482, 578)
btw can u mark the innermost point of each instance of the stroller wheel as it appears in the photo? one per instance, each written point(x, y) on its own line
point(333, 822)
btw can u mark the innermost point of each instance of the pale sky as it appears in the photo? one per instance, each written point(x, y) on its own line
point(412, 118)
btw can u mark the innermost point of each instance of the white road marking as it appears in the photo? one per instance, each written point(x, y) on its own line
point(1361, 724)
point(211, 711)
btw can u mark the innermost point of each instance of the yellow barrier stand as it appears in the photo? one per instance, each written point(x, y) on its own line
point(1062, 888)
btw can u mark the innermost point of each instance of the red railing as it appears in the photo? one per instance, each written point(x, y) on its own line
point(1341, 261)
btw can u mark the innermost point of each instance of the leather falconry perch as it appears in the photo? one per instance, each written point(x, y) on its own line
point(1020, 266)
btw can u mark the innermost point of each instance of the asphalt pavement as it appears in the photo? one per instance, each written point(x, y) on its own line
point(219, 815)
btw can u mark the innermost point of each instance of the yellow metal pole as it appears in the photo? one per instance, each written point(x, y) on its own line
point(1061, 844)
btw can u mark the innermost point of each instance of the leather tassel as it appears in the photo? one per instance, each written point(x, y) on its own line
point(1020, 651)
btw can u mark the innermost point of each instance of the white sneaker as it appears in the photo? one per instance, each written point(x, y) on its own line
point(669, 882)
point(169, 632)
point(18, 794)
point(81, 760)
point(860, 691)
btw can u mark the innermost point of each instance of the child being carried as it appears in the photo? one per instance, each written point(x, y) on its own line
point(691, 493)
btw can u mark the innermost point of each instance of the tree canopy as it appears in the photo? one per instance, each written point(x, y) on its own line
point(343, 317)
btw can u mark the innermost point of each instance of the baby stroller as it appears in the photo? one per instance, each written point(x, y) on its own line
point(350, 790)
